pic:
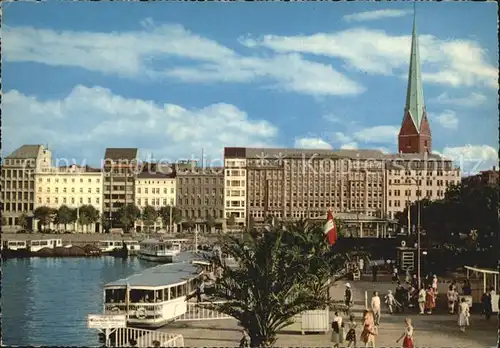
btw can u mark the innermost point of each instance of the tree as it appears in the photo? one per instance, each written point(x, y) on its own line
point(149, 216)
point(45, 215)
point(210, 222)
point(23, 221)
point(128, 214)
point(273, 281)
point(65, 215)
point(164, 214)
point(88, 215)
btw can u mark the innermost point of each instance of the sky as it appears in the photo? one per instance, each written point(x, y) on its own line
point(178, 79)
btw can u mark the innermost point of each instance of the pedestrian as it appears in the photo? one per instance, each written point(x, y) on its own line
point(375, 305)
point(351, 334)
point(452, 299)
point(361, 265)
point(487, 305)
point(348, 296)
point(463, 314)
point(337, 332)
point(395, 277)
point(408, 276)
point(421, 300)
point(369, 330)
point(430, 300)
point(435, 283)
point(374, 272)
point(407, 336)
point(391, 301)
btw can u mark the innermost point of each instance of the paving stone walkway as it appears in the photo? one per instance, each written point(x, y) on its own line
point(437, 330)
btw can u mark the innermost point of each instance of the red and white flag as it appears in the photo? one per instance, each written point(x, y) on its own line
point(330, 229)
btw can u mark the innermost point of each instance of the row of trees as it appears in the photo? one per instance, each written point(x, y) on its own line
point(83, 216)
point(283, 271)
point(468, 216)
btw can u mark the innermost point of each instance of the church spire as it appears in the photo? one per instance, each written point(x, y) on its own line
point(415, 93)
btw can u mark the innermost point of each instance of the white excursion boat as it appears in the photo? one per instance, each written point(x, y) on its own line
point(14, 245)
point(108, 246)
point(133, 246)
point(158, 250)
point(36, 245)
point(154, 297)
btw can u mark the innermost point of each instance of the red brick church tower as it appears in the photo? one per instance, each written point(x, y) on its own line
point(415, 134)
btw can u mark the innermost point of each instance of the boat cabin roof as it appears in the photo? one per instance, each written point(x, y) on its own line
point(192, 255)
point(158, 276)
point(157, 241)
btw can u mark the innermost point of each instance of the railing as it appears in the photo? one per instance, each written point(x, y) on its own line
point(142, 338)
point(199, 311)
point(150, 310)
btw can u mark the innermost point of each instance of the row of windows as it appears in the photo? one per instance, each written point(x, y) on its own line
point(72, 200)
point(370, 204)
point(398, 204)
point(420, 173)
point(199, 190)
point(198, 201)
point(235, 172)
point(418, 193)
point(73, 180)
point(235, 204)
point(156, 182)
point(199, 181)
point(18, 196)
point(64, 190)
point(156, 190)
point(18, 207)
point(155, 202)
point(21, 185)
point(202, 214)
point(235, 193)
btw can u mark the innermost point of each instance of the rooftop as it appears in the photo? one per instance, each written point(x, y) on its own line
point(121, 154)
point(158, 276)
point(26, 152)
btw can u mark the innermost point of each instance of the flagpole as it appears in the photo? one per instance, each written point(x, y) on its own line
point(127, 299)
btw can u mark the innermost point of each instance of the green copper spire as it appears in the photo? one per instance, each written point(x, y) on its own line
point(415, 93)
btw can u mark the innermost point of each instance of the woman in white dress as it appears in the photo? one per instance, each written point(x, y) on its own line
point(463, 315)
point(337, 332)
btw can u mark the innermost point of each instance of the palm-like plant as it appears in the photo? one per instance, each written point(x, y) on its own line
point(275, 280)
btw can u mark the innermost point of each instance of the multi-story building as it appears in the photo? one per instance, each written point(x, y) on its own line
point(297, 183)
point(72, 186)
point(18, 183)
point(485, 177)
point(200, 194)
point(412, 177)
point(120, 169)
point(155, 189)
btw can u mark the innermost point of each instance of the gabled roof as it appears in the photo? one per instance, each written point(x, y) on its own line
point(415, 93)
point(116, 154)
point(25, 152)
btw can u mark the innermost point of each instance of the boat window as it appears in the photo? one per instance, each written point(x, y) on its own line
point(141, 296)
point(43, 243)
point(158, 296)
point(34, 243)
point(181, 290)
point(165, 295)
point(13, 243)
point(115, 296)
point(173, 292)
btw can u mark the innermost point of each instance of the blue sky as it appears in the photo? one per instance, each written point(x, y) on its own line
point(173, 78)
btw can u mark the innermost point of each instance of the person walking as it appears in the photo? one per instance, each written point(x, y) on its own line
point(408, 276)
point(395, 276)
point(375, 305)
point(421, 300)
point(452, 296)
point(430, 300)
point(463, 314)
point(435, 283)
point(337, 332)
point(407, 335)
point(487, 305)
point(374, 272)
point(348, 296)
point(369, 331)
point(391, 301)
point(351, 334)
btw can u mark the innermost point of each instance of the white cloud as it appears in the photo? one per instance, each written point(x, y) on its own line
point(342, 138)
point(447, 119)
point(378, 134)
point(332, 118)
point(445, 61)
point(473, 99)
point(139, 54)
point(88, 120)
point(312, 143)
point(472, 158)
point(349, 146)
point(374, 15)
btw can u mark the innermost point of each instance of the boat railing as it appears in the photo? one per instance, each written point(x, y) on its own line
point(143, 338)
point(135, 310)
point(200, 311)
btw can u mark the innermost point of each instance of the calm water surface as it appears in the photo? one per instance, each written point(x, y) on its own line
point(46, 301)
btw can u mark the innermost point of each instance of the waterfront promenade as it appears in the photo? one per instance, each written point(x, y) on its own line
point(437, 330)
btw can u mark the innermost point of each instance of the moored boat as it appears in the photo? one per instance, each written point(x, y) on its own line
point(155, 250)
